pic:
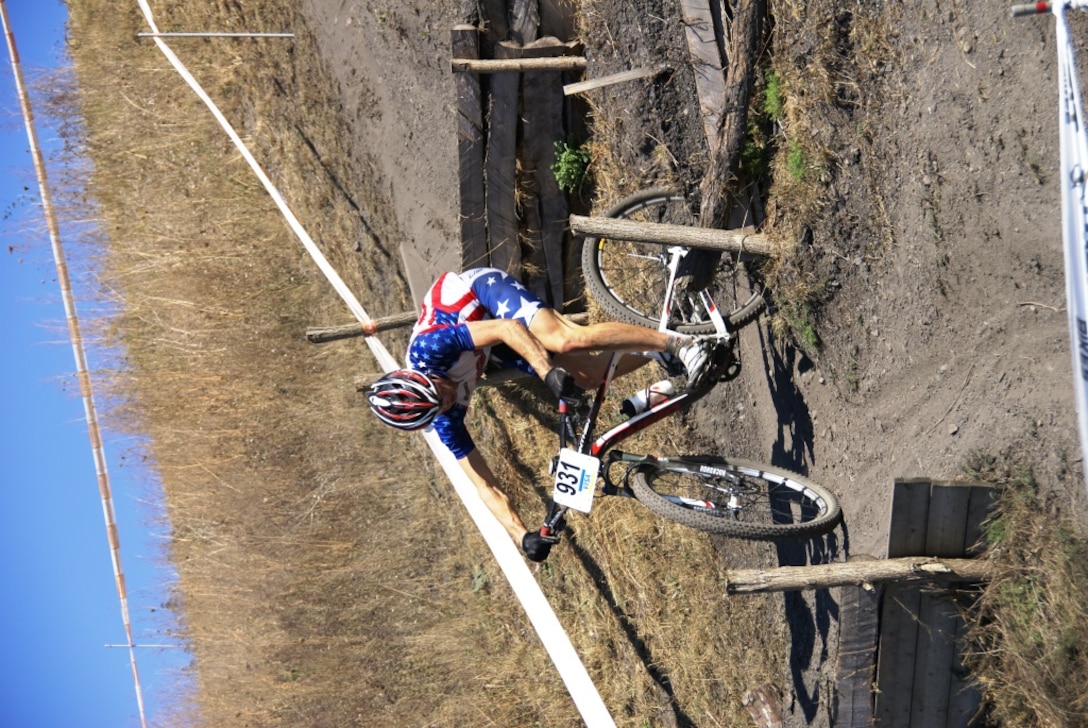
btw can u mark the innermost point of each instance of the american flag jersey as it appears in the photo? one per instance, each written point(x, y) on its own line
point(441, 344)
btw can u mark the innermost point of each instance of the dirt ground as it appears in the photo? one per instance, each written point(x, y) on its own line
point(943, 336)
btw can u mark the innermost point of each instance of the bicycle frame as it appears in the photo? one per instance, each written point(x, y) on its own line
point(600, 446)
point(676, 255)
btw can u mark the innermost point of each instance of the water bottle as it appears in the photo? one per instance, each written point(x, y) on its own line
point(644, 399)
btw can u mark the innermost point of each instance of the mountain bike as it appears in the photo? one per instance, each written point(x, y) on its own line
point(666, 287)
point(713, 493)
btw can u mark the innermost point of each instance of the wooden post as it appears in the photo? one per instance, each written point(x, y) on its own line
point(856, 573)
point(465, 42)
point(732, 240)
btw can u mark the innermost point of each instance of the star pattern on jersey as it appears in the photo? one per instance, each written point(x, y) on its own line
point(526, 310)
point(431, 352)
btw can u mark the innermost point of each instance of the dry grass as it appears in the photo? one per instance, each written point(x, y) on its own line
point(327, 574)
point(1028, 626)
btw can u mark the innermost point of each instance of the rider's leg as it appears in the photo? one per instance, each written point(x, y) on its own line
point(560, 335)
point(589, 368)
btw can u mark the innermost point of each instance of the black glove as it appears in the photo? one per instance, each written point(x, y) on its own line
point(562, 384)
point(537, 547)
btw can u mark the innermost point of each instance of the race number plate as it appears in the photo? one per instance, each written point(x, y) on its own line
point(575, 480)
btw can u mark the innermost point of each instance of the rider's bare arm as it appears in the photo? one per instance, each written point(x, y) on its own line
point(479, 472)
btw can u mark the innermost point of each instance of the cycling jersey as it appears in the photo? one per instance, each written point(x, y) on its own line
point(441, 345)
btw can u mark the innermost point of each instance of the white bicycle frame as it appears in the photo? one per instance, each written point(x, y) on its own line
point(1073, 171)
point(676, 255)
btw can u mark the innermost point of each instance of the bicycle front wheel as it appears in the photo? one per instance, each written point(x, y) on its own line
point(629, 279)
point(735, 498)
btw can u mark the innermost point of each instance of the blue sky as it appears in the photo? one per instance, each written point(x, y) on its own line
point(60, 605)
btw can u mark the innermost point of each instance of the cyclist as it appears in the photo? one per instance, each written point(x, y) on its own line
point(485, 313)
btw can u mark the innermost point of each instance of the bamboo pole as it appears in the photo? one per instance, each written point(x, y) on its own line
point(856, 573)
point(618, 229)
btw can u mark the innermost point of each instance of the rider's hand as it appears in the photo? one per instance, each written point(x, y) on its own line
point(562, 384)
point(537, 547)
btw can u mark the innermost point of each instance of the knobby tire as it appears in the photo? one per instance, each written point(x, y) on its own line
point(628, 279)
point(770, 503)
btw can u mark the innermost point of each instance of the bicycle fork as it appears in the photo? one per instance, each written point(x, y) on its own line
point(676, 255)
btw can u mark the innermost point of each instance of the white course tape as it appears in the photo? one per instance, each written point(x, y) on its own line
point(558, 645)
point(1074, 167)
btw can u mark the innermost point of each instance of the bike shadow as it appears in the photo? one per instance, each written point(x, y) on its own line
point(809, 614)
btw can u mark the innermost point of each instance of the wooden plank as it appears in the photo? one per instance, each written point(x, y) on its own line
point(633, 75)
point(465, 41)
point(557, 19)
point(496, 23)
point(938, 621)
point(500, 165)
point(899, 609)
point(909, 518)
point(524, 21)
point(542, 124)
point(858, 635)
point(964, 698)
point(706, 60)
point(979, 507)
point(947, 521)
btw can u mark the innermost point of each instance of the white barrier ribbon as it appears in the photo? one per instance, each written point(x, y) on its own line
point(1074, 168)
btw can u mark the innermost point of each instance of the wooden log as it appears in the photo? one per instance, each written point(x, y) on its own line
point(465, 41)
point(517, 65)
point(738, 241)
point(856, 573)
point(322, 334)
point(718, 186)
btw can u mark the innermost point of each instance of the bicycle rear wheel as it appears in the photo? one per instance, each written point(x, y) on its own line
point(629, 279)
point(735, 498)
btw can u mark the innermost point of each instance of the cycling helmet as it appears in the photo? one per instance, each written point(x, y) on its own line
point(405, 399)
